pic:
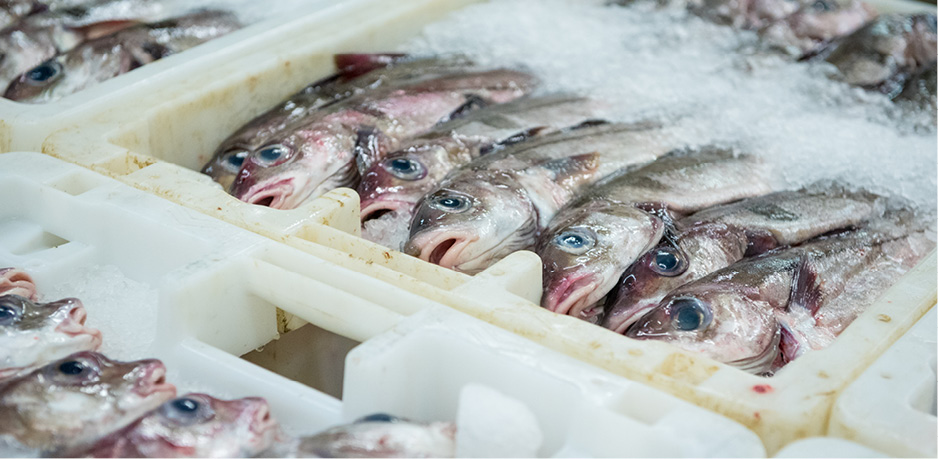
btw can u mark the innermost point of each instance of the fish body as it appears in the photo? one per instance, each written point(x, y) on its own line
point(761, 313)
point(106, 57)
point(194, 425)
point(402, 178)
point(815, 24)
point(17, 282)
point(78, 399)
point(33, 334)
point(500, 202)
point(597, 236)
point(716, 238)
point(380, 436)
point(331, 148)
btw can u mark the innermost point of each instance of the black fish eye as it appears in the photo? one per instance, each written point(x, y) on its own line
point(72, 368)
point(668, 262)
point(575, 241)
point(235, 158)
point(378, 417)
point(450, 203)
point(822, 5)
point(186, 411)
point(271, 154)
point(405, 168)
point(43, 73)
point(689, 314)
point(8, 315)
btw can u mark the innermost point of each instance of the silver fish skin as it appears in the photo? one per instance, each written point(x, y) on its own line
point(761, 313)
point(194, 425)
point(17, 282)
point(716, 238)
point(398, 182)
point(331, 148)
point(356, 74)
point(597, 236)
point(78, 399)
point(378, 436)
point(104, 58)
point(500, 202)
point(815, 24)
point(34, 334)
point(884, 53)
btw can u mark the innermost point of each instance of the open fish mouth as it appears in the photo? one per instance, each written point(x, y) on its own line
point(74, 325)
point(273, 195)
point(153, 382)
point(446, 249)
point(262, 421)
point(632, 317)
point(377, 209)
point(572, 296)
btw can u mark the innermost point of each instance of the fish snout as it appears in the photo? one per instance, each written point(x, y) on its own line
point(273, 195)
point(152, 380)
point(445, 249)
point(261, 419)
point(570, 294)
point(619, 319)
point(376, 208)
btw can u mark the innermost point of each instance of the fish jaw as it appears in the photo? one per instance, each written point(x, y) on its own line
point(573, 294)
point(442, 248)
point(374, 208)
point(16, 282)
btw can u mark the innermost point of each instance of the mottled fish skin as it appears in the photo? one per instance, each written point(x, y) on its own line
point(500, 202)
point(194, 425)
point(760, 313)
point(596, 237)
point(34, 334)
point(78, 399)
point(17, 282)
point(365, 72)
point(331, 148)
point(715, 238)
point(378, 435)
point(104, 58)
point(883, 54)
point(398, 182)
point(815, 24)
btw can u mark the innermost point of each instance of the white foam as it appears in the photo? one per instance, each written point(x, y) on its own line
point(390, 230)
point(670, 65)
point(491, 424)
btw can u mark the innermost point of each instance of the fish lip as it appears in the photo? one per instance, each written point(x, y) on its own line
point(262, 421)
point(152, 383)
point(74, 326)
point(280, 191)
point(376, 205)
point(451, 256)
point(632, 318)
point(570, 297)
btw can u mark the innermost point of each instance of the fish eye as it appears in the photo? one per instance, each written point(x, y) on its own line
point(405, 168)
point(822, 6)
point(72, 368)
point(272, 154)
point(186, 411)
point(378, 417)
point(9, 313)
point(44, 73)
point(450, 203)
point(575, 241)
point(689, 314)
point(79, 370)
point(233, 159)
point(668, 262)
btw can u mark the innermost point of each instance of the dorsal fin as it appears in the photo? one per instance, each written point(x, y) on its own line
point(570, 167)
point(514, 139)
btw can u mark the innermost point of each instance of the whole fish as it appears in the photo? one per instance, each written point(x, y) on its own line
point(377, 435)
point(715, 238)
point(194, 425)
point(594, 238)
point(33, 334)
point(356, 73)
point(815, 24)
point(886, 52)
point(761, 313)
point(79, 399)
point(397, 183)
point(17, 282)
point(60, 26)
point(331, 149)
point(106, 57)
point(500, 202)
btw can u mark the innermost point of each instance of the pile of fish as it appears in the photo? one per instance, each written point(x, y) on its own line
point(52, 48)
point(61, 397)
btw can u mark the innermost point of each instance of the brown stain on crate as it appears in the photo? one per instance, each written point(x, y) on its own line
point(686, 368)
point(883, 318)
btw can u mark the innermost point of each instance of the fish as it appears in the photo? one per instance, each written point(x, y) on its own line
point(597, 236)
point(194, 425)
point(12, 11)
point(500, 202)
point(884, 53)
point(78, 399)
point(715, 238)
point(744, 14)
point(17, 282)
point(762, 313)
point(94, 61)
point(330, 149)
point(815, 24)
point(377, 435)
point(57, 27)
point(33, 334)
point(357, 73)
point(396, 183)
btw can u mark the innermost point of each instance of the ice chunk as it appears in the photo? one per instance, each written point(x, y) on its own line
point(491, 424)
point(390, 230)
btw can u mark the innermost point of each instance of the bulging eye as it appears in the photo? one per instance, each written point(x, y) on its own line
point(689, 314)
point(451, 203)
point(75, 370)
point(405, 168)
point(822, 6)
point(668, 262)
point(9, 313)
point(233, 159)
point(575, 241)
point(378, 417)
point(272, 154)
point(187, 411)
point(44, 73)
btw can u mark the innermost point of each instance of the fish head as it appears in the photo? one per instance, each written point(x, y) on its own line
point(398, 182)
point(34, 333)
point(469, 224)
point(381, 435)
point(80, 398)
point(17, 282)
point(68, 73)
point(923, 39)
point(290, 170)
point(827, 19)
point(198, 425)
point(585, 252)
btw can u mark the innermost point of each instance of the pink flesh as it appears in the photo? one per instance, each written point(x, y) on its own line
point(444, 250)
point(571, 296)
point(74, 325)
point(262, 421)
point(368, 208)
point(16, 282)
point(277, 193)
point(153, 380)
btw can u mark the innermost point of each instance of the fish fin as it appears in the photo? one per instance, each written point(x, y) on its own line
point(473, 102)
point(789, 346)
point(588, 123)
point(103, 28)
point(572, 167)
point(760, 242)
point(368, 147)
point(352, 65)
point(762, 362)
point(806, 288)
point(514, 139)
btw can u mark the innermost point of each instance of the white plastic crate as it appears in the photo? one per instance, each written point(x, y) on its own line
point(816, 447)
point(160, 142)
point(891, 406)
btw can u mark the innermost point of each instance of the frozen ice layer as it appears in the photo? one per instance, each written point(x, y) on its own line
point(390, 230)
